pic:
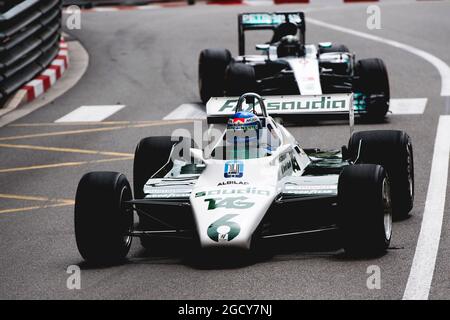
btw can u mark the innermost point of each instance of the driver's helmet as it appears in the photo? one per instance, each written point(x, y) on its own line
point(290, 46)
point(243, 126)
point(244, 120)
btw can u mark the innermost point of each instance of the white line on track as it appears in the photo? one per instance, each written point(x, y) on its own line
point(421, 274)
point(149, 7)
point(187, 111)
point(440, 65)
point(90, 113)
point(408, 106)
point(258, 2)
point(105, 9)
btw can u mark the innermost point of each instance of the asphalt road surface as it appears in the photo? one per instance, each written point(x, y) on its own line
point(147, 61)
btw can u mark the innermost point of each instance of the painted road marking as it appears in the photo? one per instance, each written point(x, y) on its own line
point(187, 111)
point(59, 133)
point(408, 106)
point(86, 124)
point(27, 198)
point(90, 113)
point(51, 202)
point(421, 274)
point(69, 150)
point(14, 210)
point(148, 7)
point(258, 2)
point(119, 155)
point(105, 9)
point(81, 131)
point(63, 164)
point(441, 66)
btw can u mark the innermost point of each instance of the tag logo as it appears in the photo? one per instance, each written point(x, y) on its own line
point(234, 169)
point(229, 203)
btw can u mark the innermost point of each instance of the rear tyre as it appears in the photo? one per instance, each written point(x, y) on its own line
point(239, 79)
point(102, 219)
point(373, 82)
point(366, 213)
point(393, 150)
point(334, 48)
point(211, 72)
point(151, 155)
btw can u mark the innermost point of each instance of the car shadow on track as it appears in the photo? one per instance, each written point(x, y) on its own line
point(324, 246)
point(182, 252)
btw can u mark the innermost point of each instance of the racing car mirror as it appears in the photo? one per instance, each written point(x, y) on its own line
point(262, 47)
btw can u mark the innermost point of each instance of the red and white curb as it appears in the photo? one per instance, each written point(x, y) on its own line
point(46, 79)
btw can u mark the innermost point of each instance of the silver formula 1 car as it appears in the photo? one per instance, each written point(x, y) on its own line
point(255, 182)
point(290, 66)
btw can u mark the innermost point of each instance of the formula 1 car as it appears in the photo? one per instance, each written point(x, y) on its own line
point(288, 66)
point(254, 183)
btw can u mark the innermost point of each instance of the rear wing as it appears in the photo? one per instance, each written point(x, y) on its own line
point(268, 21)
point(294, 108)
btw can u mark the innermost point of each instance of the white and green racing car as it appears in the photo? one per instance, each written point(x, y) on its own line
point(255, 183)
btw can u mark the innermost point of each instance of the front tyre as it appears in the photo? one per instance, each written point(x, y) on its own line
point(240, 78)
point(365, 208)
point(211, 72)
point(103, 220)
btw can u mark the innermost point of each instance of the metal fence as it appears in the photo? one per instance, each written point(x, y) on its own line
point(29, 40)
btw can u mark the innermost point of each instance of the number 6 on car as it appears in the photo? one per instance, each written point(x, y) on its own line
point(224, 229)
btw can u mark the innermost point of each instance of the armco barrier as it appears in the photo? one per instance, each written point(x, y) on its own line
point(29, 40)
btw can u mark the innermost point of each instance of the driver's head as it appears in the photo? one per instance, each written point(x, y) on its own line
point(243, 127)
point(282, 30)
point(244, 121)
point(290, 46)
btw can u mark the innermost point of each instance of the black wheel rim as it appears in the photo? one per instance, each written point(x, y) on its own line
point(126, 213)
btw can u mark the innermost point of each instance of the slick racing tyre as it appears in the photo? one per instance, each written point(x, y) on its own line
point(211, 72)
point(151, 155)
point(334, 48)
point(365, 210)
point(102, 219)
point(239, 79)
point(373, 82)
point(393, 150)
